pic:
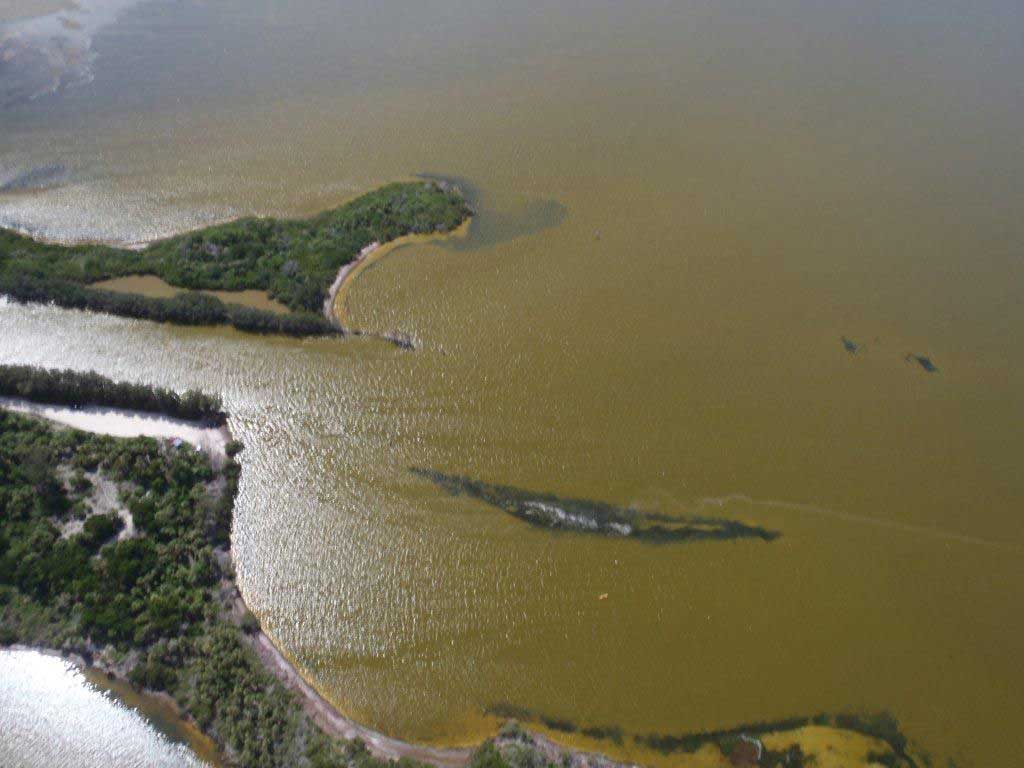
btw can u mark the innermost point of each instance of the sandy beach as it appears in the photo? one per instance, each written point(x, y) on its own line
point(118, 422)
point(339, 281)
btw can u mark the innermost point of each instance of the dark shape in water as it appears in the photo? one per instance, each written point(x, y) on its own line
point(882, 726)
point(40, 177)
point(924, 362)
point(584, 516)
point(489, 226)
point(850, 346)
point(610, 733)
point(514, 712)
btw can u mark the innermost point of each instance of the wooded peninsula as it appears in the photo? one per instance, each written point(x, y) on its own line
point(293, 260)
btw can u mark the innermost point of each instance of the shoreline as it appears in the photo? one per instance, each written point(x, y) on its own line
point(124, 422)
point(120, 422)
point(334, 304)
point(334, 723)
point(341, 277)
point(331, 720)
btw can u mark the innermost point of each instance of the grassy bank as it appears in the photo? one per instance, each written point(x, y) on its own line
point(294, 260)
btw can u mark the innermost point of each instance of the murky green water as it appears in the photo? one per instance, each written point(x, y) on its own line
point(684, 207)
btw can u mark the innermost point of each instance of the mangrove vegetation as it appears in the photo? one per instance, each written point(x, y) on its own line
point(66, 387)
point(293, 260)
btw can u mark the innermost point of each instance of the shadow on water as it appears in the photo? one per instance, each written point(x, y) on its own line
point(596, 517)
point(32, 179)
point(490, 226)
point(507, 711)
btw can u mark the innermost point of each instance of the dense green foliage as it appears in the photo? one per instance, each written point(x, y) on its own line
point(77, 389)
point(152, 605)
point(150, 600)
point(133, 591)
point(295, 261)
point(183, 309)
point(881, 726)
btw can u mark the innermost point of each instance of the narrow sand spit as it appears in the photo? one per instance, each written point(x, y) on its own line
point(118, 422)
point(339, 281)
point(325, 715)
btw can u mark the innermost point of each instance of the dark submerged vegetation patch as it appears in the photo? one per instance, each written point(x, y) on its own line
point(37, 177)
point(612, 733)
point(742, 744)
point(882, 726)
point(510, 712)
point(691, 742)
point(294, 260)
point(514, 713)
point(490, 226)
point(594, 517)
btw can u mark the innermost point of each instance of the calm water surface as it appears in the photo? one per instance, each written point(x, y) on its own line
point(684, 208)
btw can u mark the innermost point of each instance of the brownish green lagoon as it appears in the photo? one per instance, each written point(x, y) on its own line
point(708, 237)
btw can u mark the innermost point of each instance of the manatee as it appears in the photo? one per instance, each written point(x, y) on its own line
point(924, 362)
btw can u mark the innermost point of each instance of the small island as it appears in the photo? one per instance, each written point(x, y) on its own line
point(115, 552)
point(295, 261)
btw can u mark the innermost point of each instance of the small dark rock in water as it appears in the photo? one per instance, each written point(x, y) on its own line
point(850, 346)
point(924, 362)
